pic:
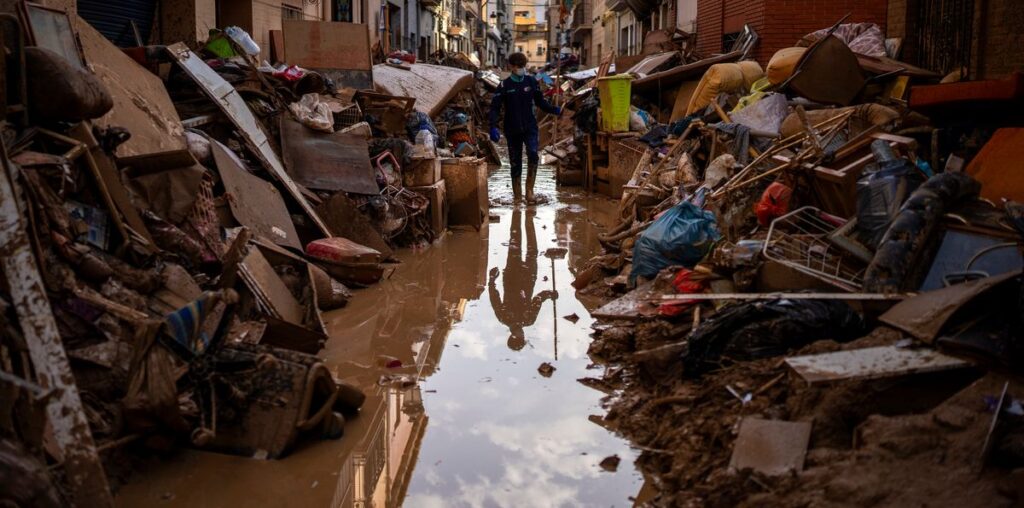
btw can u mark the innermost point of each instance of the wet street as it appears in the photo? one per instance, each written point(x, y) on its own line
point(447, 349)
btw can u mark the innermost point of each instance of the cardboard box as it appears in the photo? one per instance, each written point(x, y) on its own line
point(466, 182)
point(422, 172)
point(437, 194)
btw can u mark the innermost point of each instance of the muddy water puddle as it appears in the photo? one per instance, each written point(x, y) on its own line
point(458, 414)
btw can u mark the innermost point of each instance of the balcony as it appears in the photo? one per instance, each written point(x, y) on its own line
point(582, 13)
point(471, 8)
point(428, 4)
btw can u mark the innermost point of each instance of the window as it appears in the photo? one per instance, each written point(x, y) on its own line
point(342, 11)
point(290, 12)
point(540, 50)
point(728, 40)
point(519, 49)
point(522, 14)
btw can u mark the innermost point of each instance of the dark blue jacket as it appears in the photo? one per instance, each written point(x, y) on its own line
point(518, 100)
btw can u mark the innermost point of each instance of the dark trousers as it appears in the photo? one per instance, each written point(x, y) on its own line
point(516, 141)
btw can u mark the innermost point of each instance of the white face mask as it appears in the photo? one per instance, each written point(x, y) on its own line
point(520, 71)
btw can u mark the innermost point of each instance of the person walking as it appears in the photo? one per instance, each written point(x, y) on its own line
point(517, 95)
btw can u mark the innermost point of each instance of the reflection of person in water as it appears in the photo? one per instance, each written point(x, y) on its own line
point(520, 307)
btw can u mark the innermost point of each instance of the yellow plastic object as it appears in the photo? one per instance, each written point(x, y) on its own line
point(614, 93)
point(757, 92)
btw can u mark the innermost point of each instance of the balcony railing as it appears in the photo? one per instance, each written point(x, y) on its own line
point(581, 15)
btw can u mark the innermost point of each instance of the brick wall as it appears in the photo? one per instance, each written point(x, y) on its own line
point(779, 23)
point(709, 25)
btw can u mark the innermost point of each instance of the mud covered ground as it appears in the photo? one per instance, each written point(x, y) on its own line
point(913, 441)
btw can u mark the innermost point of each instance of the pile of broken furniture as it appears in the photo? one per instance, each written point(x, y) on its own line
point(177, 219)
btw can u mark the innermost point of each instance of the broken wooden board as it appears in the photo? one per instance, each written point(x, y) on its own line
point(332, 161)
point(345, 219)
point(269, 289)
point(141, 103)
point(771, 447)
point(871, 363)
point(254, 202)
point(339, 51)
point(234, 107)
point(433, 86)
point(327, 45)
point(925, 315)
point(632, 305)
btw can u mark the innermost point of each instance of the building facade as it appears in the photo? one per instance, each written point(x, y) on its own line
point(531, 36)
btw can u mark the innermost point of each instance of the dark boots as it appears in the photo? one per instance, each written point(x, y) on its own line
point(531, 176)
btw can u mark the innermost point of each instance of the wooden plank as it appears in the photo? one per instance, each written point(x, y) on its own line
point(871, 363)
point(772, 447)
point(327, 45)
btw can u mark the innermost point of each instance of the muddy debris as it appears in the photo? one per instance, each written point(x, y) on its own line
point(767, 224)
point(546, 369)
point(610, 464)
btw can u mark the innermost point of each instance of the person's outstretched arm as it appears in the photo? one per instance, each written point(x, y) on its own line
point(541, 102)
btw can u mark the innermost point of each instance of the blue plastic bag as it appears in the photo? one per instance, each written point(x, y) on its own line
point(681, 236)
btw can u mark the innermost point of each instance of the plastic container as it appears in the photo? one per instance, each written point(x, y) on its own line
point(614, 93)
point(244, 41)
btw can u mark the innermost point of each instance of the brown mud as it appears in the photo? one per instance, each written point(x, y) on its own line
point(890, 442)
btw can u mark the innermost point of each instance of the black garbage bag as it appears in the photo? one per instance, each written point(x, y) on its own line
point(763, 329)
point(897, 265)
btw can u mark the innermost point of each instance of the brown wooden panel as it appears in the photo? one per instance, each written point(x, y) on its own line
point(327, 45)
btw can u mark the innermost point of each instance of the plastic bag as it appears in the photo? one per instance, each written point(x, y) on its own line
point(639, 120)
point(312, 113)
point(426, 140)
point(681, 236)
point(748, 331)
point(774, 203)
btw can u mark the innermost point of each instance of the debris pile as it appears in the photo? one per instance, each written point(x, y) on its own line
point(814, 285)
point(175, 222)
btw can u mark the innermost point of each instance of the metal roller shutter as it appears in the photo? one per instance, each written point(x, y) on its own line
point(112, 19)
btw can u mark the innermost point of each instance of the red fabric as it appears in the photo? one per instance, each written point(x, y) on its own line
point(292, 73)
point(683, 283)
point(403, 56)
point(774, 203)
